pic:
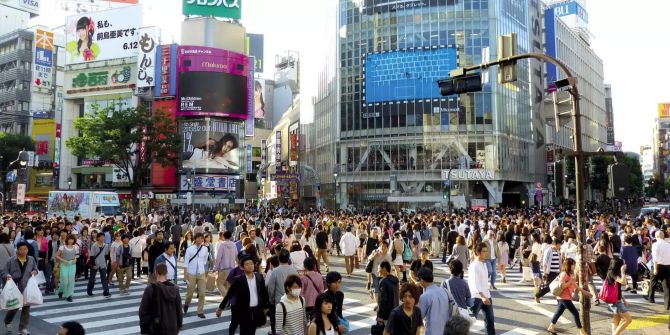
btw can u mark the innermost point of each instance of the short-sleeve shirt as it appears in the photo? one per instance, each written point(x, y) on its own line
point(399, 323)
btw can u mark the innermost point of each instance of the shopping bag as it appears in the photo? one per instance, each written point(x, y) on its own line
point(555, 287)
point(32, 294)
point(211, 282)
point(11, 298)
point(40, 278)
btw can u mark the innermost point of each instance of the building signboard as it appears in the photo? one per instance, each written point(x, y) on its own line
point(255, 48)
point(43, 64)
point(208, 182)
point(166, 71)
point(664, 111)
point(278, 148)
point(146, 67)
point(211, 145)
point(100, 80)
point(384, 6)
point(103, 35)
point(229, 9)
point(468, 174)
point(551, 48)
point(30, 6)
point(249, 164)
point(250, 129)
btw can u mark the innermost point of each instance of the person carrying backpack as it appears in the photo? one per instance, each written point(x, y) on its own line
point(290, 317)
point(160, 309)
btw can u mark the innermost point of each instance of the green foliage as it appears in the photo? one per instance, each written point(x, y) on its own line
point(11, 144)
point(599, 178)
point(636, 179)
point(131, 138)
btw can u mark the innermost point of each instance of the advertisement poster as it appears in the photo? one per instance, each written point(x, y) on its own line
point(43, 65)
point(230, 9)
point(146, 60)
point(255, 48)
point(201, 69)
point(211, 145)
point(250, 101)
point(103, 35)
point(68, 204)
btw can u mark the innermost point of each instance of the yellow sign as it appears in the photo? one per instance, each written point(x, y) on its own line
point(664, 111)
point(44, 39)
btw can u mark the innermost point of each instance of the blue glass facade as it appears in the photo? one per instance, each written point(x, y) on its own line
point(393, 120)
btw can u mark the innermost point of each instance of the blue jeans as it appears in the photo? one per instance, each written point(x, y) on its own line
point(48, 274)
point(491, 266)
point(478, 304)
point(562, 306)
point(103, 278)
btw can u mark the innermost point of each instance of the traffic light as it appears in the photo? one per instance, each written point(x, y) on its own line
point(506, 49)
point(619, 180)
point(445, 195)
point(460, 84)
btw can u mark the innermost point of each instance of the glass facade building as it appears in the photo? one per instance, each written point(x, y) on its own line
point(399, 139)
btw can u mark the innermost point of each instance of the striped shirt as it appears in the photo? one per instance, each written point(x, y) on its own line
point(555, 265)
point(295, 316)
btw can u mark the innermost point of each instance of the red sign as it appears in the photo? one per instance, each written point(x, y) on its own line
point(58, 129)
point(42, 147)
point(165, 70)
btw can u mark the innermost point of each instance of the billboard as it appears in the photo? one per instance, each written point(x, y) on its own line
point(103, 35)
point(208, 182)
point(259, 99)
point(564, 9)
point(383, 6)
point(407, 74)
point(551, 44)
point(166, 71)
point(30, 6)
point(250, 101)
point(43, 64)
point(146, 60)
point(200, 69)
point(211, 146)
point(100, 80)
point(230, 9)
point(664, 111)
point(255, 48)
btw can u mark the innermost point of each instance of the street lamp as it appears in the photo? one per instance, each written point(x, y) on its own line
point(69, 183)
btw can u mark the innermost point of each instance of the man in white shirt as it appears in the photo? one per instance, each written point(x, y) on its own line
point(195, 273)
point(491, 256)
point(348, 244)
point(660, 255)
point(479, 287)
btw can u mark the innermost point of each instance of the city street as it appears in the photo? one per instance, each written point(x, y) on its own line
point(515, 311)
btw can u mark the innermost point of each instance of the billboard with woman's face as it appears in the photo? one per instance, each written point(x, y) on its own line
point(211, 146)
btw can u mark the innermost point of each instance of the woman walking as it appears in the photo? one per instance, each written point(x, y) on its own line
point(67, 256)
point(569, 285)
point(503, 260)
point(616, 275)
point(323, 321)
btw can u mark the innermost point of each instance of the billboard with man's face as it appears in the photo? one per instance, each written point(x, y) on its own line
point(211, 146)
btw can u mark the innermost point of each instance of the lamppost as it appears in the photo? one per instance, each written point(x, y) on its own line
point(337, 187)
point(69, 183)
point(21, 187)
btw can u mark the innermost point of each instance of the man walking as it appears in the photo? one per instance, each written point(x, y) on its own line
point(19, 268)
point(164, 295)
point(97, 254)
point(125, 265)
point(434, 304)
point(492, 255)
point(226, 255)
point(155, 250)
point(170, 260)
point(551, 265)
point(349, 244)
point(195, 273)
point(479, 288)
point(388, 293)
point(276, 282)
point(660, 254)
point(322, 248)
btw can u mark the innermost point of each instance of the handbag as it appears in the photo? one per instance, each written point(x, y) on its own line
point(455, 309)
point(377, 329)
point(150, 323)
point(555, 287)
point(90, 263)
point(368, 267)
point(609, 293)
point(344, 323)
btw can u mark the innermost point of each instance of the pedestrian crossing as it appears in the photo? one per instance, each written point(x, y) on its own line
point(118, 315)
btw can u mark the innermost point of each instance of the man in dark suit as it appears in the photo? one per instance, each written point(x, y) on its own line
point(250, 298)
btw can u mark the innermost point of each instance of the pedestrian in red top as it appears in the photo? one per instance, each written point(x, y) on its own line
point(569, 285)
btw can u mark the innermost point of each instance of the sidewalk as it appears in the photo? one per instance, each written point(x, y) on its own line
point(655, 324)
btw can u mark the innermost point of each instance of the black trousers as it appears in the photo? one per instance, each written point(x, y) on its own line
point(137, 262)
point(662, 276)
point(544, 288)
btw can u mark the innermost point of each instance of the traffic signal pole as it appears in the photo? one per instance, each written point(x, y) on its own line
point(579, 160)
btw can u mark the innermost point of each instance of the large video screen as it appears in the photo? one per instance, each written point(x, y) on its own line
point(407, 74)
point(211, 146)
point(212, 93)
point(212, 82)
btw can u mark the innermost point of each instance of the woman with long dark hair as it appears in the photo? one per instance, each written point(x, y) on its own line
point(323, 321)
point(569, 285)
point(83, 49)
point(616, 275)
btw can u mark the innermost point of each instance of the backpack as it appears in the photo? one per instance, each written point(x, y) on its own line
point(406, 252)
point(609, 293)
point(516, 242)
point(283, 307)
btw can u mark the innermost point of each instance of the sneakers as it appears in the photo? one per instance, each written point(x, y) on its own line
point(107, 296)
point(69, 299)
point(8, 328)
point(185, 309)
point(60, 295)
point(24, 332)
point(124, 292)
point(201, 315)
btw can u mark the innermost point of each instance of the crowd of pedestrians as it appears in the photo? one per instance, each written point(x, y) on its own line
point(272, 267)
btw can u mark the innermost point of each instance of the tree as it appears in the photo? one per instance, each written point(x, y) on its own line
point(10, 145)
point(131, 138)
point(636, 180)
point(599, 177)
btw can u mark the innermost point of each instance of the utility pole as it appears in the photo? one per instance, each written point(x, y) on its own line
point(463, 80)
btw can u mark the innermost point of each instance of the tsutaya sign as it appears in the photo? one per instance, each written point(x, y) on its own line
point(474, 174)
point(230, 9)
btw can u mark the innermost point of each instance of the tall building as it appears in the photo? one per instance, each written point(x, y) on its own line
point(609, 113)
point(392, 136)
point(16, 55)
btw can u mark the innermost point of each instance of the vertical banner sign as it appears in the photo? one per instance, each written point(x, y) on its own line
point(250, 100)
point(146, 59)
point(278, 148)
point(264, 156)
point(249, 166)
point(165, 70)
point(293, 149)
point(43, 67)
point(20, 194)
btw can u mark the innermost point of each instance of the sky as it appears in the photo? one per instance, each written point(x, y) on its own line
point(628, 37)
